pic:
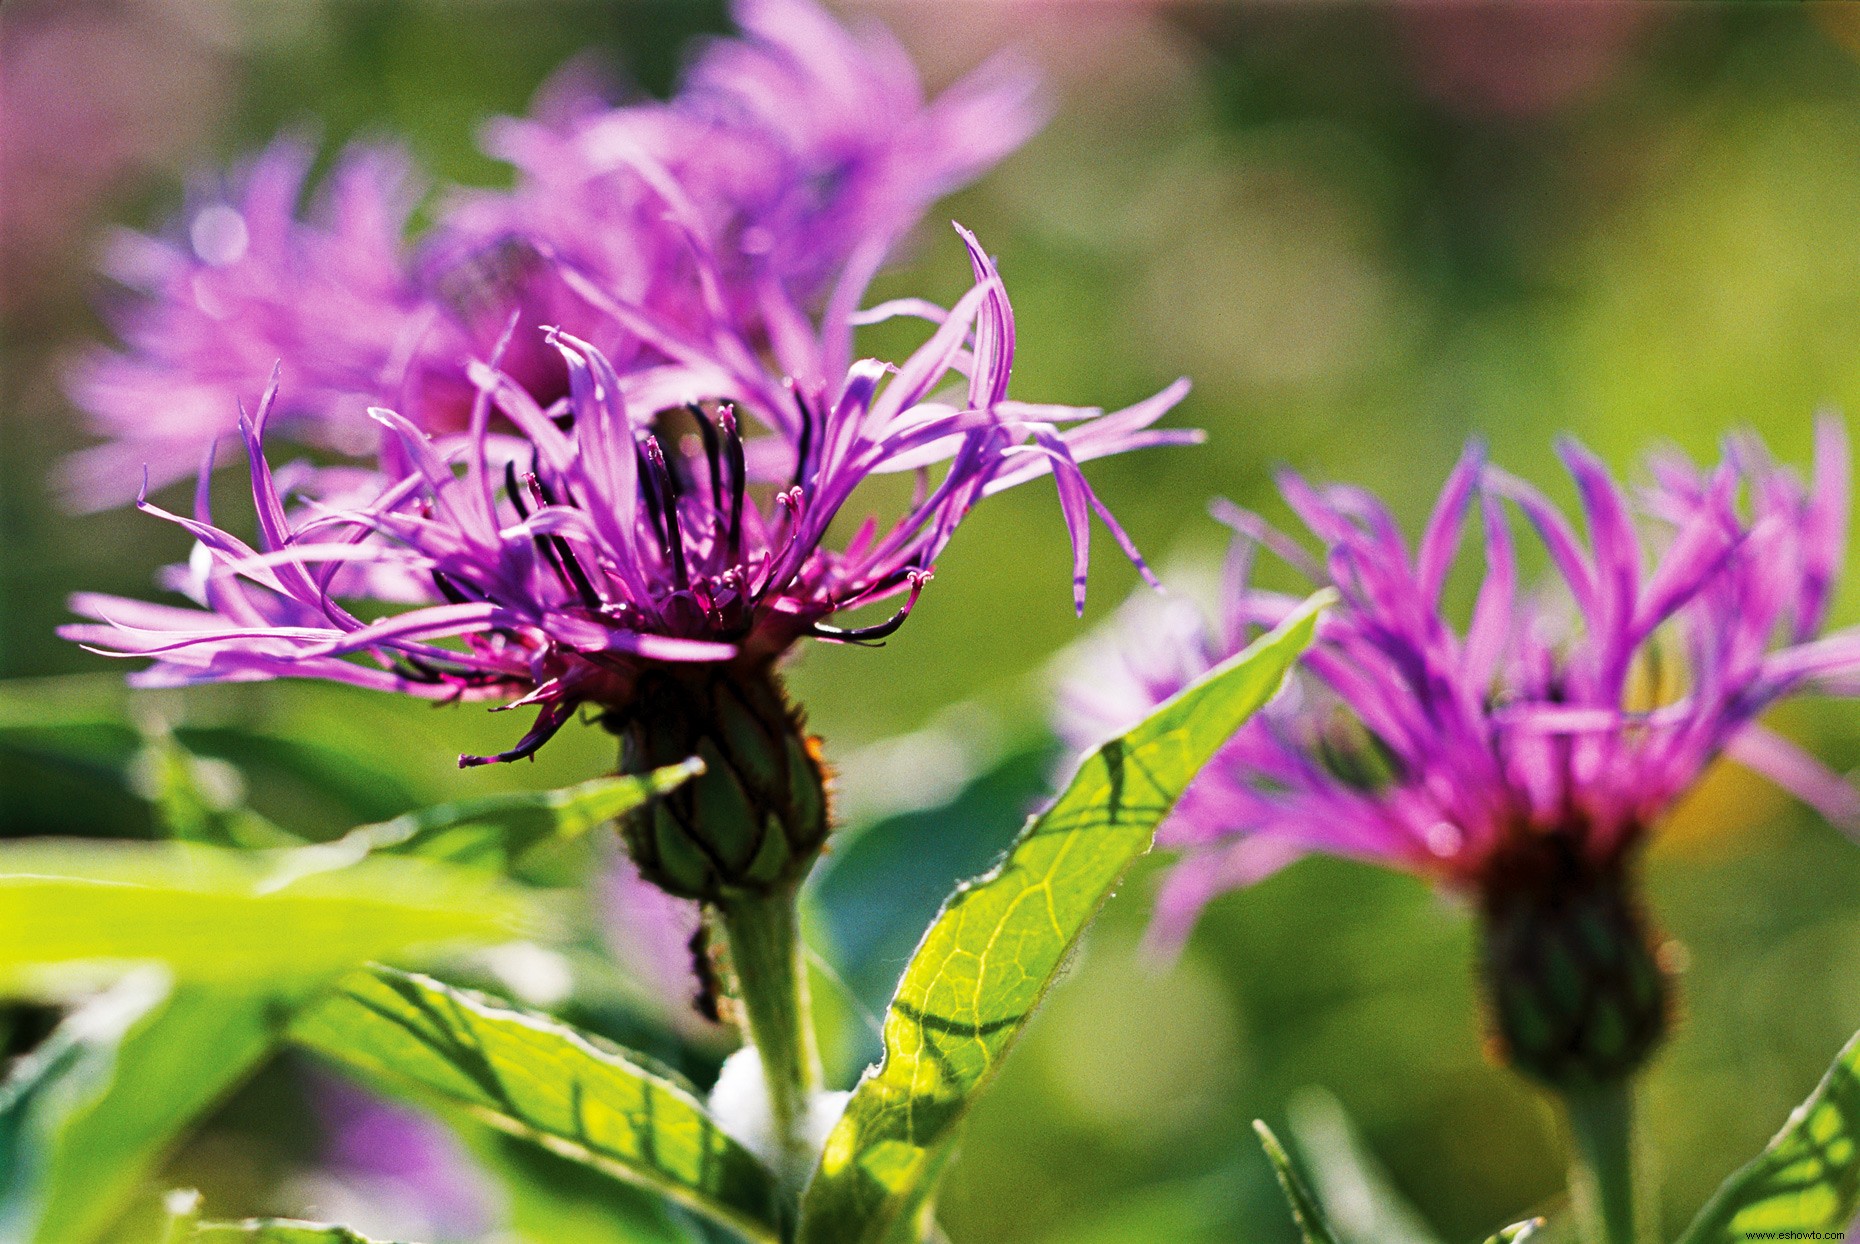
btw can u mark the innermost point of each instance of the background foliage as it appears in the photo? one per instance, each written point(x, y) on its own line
point(1366, 232)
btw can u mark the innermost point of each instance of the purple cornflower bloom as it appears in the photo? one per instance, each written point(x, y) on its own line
point(252, 283)
point(789, 164)
point(1410, 742)
point(631, 525)
point(1525, 759)
point(795, 157)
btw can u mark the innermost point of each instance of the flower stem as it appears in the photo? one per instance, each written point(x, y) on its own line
point(765, 950)
point(1601, 1128)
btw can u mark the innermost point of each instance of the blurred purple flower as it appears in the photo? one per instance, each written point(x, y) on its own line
point(405, 1171)
point(656, 940)
point(792, 160)
point(1453, 754)
point(618, 528)
point(248, 285)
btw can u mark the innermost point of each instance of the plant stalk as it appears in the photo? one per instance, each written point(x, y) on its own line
point(1601, 1128)
point(771, 976)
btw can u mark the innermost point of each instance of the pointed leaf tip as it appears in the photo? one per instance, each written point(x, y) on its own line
point(1313, 1227)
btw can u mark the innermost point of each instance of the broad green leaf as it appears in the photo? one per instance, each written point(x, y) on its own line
point(1364, 1206)
point(550, 1199)
point(1518, 1232)
point(223, 917)
point(493, 830)
point(1806, 1179)
point(63, 1077)
point(160, 1074)
point(537, 1078)
point(993, 951)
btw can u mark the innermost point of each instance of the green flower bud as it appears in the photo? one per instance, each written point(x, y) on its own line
point(755, 820)
point(1574, 987)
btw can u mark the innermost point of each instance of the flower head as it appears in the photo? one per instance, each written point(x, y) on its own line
point(792, 160)
point(250, 283)
point(1584, 712)
point(1523, 757)
point(639, 521)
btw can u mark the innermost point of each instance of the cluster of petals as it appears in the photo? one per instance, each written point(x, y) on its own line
point(607, 418)
point(1583, 710)
point(786, 170)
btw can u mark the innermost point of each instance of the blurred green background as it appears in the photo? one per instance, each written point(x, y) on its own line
point(1366, 232)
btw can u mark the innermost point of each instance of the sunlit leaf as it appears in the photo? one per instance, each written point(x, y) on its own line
point(995, 948)
point(64, 1077)
point(170, 1069)
point(537, 1078)
point(492, 830)
point(223, 917)
point(884, 882)
point(1518, 1232)
point(1806, 1179)
point(1313, 1226)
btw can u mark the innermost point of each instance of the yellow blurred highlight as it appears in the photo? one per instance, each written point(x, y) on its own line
point(1715, 817)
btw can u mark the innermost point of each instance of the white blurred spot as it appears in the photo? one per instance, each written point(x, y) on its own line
point(535, 976)
point(740, 1104)
point(1443, 839)
point(219, 235)
point(218, 784)
point(923, 769)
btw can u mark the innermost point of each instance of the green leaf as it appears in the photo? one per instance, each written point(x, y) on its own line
point(550, 1199)
point(998, 943)
point(165, 1071)
point(537, 1078)
point(494, 831)
point(64, 1077)
point(228, 917)
point(1806, 1179)
point(1313, 1227)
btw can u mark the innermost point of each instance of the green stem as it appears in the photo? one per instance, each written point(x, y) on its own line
point(1601, 1127)
point(765, 950)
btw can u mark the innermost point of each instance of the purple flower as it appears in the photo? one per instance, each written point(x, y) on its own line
point(249, 284)
point(789, 164)
point(1568, 721)
point(636, 522)
point(392, 1169)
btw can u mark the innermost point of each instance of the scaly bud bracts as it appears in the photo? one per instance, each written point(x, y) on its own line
point(755, 820)
point(1575, 991)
